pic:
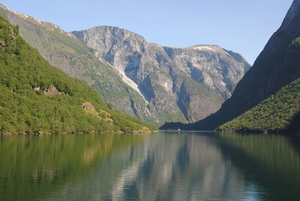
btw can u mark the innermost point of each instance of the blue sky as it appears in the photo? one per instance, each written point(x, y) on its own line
point(243, 26)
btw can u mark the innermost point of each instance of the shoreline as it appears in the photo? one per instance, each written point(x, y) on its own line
point(92, 132)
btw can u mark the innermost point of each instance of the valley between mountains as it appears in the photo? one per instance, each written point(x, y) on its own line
point(202, 87)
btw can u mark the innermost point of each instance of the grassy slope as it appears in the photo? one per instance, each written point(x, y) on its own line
point(22, 110)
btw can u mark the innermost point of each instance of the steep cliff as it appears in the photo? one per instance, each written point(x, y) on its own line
point(192, 81)
point(276, 66)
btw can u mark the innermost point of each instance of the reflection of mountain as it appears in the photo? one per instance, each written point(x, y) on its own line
point(217, 174)
point(165, 167)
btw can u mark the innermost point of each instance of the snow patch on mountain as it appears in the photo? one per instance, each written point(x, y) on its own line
point(203, 48)
point(129, 81)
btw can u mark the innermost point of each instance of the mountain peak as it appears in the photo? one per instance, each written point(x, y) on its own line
point(116, 31)
point(291, 14)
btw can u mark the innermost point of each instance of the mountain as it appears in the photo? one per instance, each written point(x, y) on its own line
point(276, 66)
point(191, 81)
point(38, 98)
point(65, 51)
point(154, 83)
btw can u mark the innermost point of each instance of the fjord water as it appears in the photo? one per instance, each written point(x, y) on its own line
point(162, 166)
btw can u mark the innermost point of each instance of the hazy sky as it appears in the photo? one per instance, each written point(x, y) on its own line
point(243, 26)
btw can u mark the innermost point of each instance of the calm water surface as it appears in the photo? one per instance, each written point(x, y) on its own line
point(163, 166)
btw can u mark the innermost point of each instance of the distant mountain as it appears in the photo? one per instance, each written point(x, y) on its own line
point(276, 66)
point(39, 98)
point(191, 81)
point(153, 83)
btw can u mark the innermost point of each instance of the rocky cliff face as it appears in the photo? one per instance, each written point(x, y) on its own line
point(276, 66)
point(192, 81)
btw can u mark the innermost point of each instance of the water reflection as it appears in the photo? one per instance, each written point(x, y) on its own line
point(271, 162)
point(167, 166)
point(33, 166)
point(163, 166)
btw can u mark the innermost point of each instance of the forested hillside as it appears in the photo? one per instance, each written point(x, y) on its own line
point(38, 98)
point(278, 113)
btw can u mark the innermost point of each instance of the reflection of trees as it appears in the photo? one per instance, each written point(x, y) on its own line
point(32, 166)
point(271, 161)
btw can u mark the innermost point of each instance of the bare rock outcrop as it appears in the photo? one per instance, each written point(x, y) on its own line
point(52, 90)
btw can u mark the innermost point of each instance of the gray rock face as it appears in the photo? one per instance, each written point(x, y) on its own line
point(193, 80)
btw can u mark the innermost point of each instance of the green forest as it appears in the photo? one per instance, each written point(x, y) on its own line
point(278, 113)
point(27, 108)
